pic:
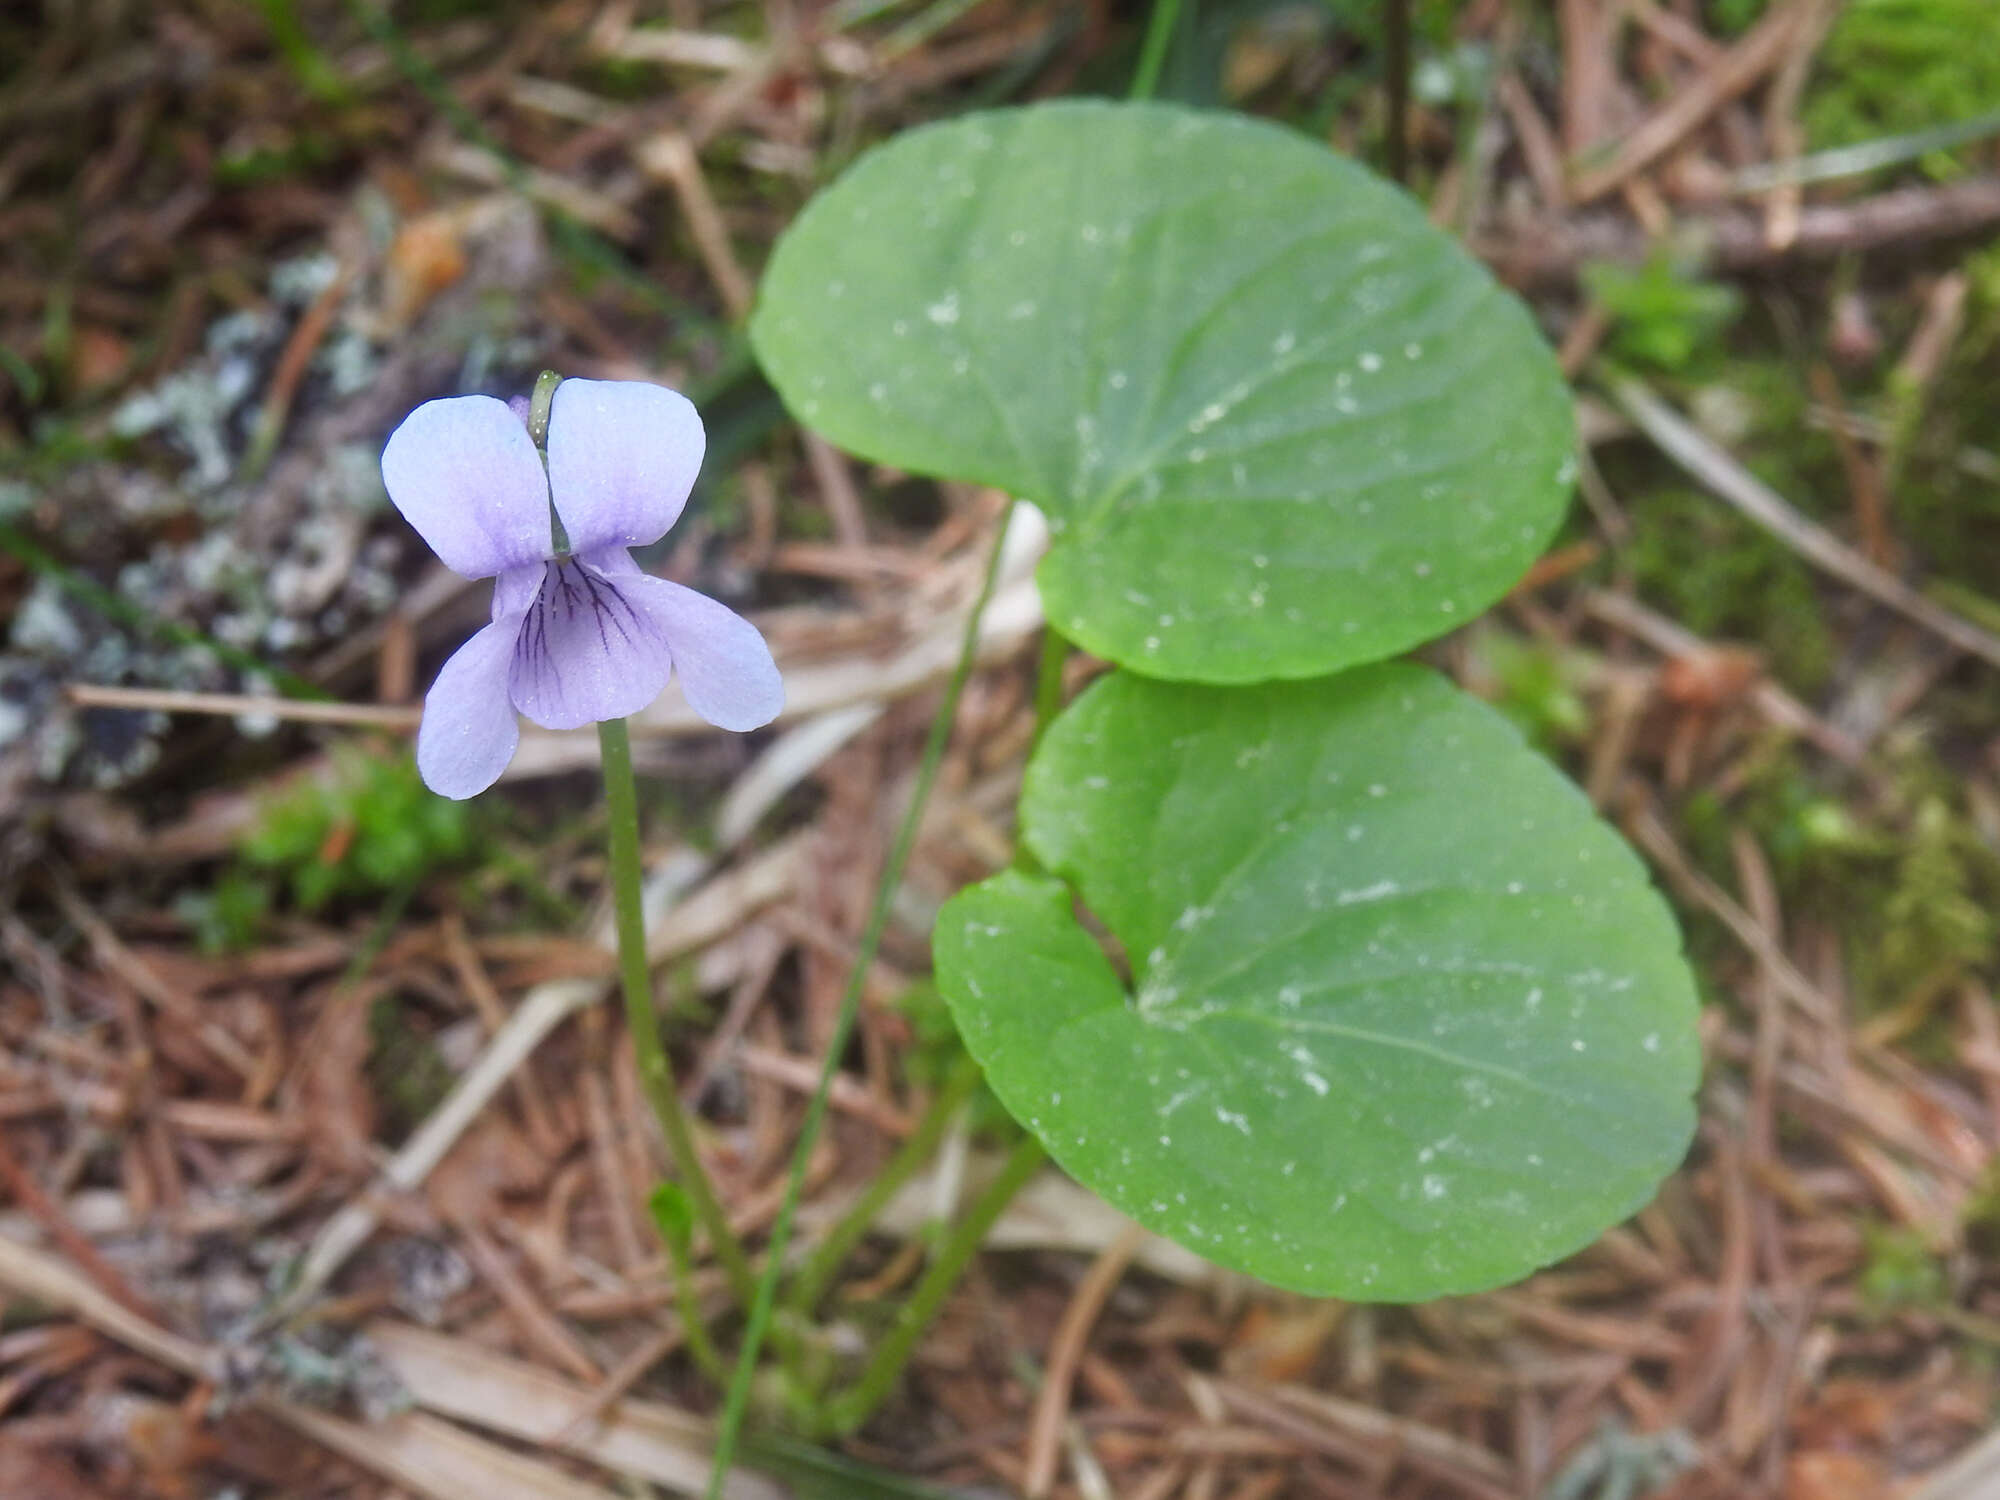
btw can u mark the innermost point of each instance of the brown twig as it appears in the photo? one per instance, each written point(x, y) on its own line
point(1781, 120)
point(1863, 483)
point(1038, 1461)
point(671, 156)
point(1550, 251)
point(50, 1215)
point(1731, 75)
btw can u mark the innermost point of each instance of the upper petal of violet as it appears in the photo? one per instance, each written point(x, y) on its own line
point(465, 474)
point(623, 455)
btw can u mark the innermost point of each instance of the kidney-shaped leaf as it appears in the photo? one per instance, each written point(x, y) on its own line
point(1405, 1018)
point(1279, 422)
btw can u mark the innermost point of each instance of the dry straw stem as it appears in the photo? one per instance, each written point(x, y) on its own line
point(1781, 120)
point(671, 157)
point(421, 1454)
point(1675, 641)
point(1651, 834)
point(459, 1379)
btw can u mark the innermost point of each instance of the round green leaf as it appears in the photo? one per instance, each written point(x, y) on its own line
point(1405, 1018)
point(1279, 422)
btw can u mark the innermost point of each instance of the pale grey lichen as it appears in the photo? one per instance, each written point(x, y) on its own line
point(299, 281)
point(44, 625)
point(282, 566)
point(194, 408)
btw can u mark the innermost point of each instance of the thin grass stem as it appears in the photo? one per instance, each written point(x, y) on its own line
point(1153, 51)
point(832, 1252)
point(893, 1353)
point(738, 1400)
point(1396, 84)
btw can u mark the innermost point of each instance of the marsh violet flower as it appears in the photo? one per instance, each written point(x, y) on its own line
point(581, 634)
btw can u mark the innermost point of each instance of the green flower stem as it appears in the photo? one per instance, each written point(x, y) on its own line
point(879, 1378)
point(738, 1400)
point(832, 1253)
point(621, 804)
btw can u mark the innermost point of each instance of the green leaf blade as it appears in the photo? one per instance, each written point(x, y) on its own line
point(1405, 1018)
point(1279, 422)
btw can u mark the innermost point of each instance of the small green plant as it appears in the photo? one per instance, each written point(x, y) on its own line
point(365, 830)
point(226, 918)
point(368, 829)
point(1538, 686)
point(1663, 316)
point(1307, 960)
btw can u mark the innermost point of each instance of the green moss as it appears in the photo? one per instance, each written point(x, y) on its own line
point(1724, 578)
point(228, 918)
point(1912, 892)
point(1937, 917)
point(290, 156)
point(1734, 17)
point(1901, 1272)
point(1945, 498)
point(1889, 67)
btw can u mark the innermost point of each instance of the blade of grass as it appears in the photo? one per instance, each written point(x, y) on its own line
point(1153, 51)
point(1868, 156)
point(826, 1261)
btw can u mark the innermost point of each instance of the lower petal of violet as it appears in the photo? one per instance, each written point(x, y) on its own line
point(590, 647)
point(469, 731)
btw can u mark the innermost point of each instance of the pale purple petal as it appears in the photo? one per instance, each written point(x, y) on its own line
point(469, 733)
point(725, 668)
point(589, 648)
point(464, 472)
point(623, 455)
